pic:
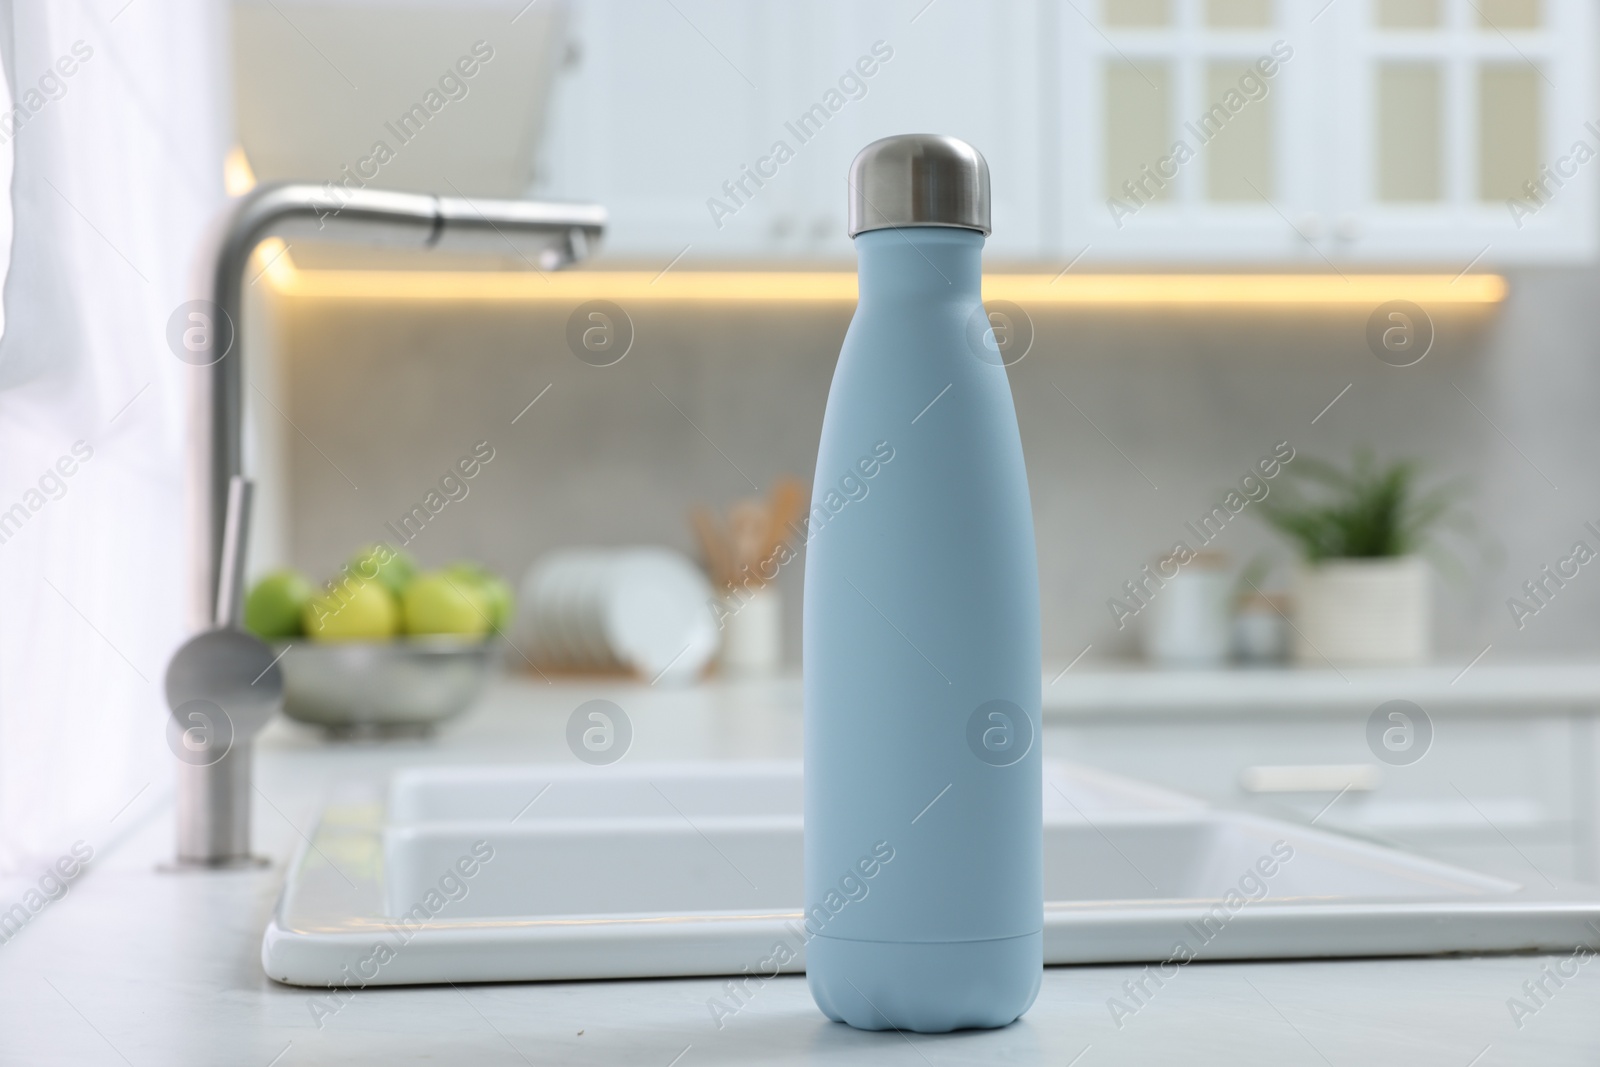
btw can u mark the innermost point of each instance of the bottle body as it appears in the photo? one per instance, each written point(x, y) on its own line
point(923, 866)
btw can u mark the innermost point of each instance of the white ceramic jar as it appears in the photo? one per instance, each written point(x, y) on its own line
point(752, 632)
point(1190, 617)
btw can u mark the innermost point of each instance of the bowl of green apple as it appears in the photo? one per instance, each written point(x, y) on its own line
point(382, 648)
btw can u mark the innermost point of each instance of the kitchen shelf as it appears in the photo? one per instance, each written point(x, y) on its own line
point(1527, 686)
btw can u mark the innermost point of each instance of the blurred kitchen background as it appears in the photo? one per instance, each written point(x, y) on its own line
point(1391, 136)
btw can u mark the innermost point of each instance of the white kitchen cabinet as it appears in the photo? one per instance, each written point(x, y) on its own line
point(1507, 784)
point(967, 68)
point(1457, 130)
point(1145, 174)
point(1385, 131)
point(666, 102)
point(1371, 131)
point(659, 106)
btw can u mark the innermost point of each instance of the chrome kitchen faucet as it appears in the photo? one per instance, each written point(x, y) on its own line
point(214, 788)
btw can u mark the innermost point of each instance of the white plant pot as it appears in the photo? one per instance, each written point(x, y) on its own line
point(1363, 612)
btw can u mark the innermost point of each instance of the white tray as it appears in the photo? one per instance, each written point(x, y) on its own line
point(666, 870)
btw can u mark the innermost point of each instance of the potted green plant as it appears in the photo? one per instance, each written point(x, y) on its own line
point(1362, 595)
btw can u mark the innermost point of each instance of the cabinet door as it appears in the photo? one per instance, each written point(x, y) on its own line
point(728, 128)
point(1510, 791)
point(1184, 132)
point(660, 109)
point(1413, 131)
point(966, 68)
point(1461, 130)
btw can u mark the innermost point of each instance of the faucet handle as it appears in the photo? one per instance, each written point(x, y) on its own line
point(235, 540)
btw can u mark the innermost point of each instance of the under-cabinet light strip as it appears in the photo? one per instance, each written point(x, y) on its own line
point(757, 286)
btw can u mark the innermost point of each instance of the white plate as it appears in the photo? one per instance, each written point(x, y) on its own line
point(645, 609)
point(578, 575)
point(533, 612)
point(589, 614)
point(657, 615)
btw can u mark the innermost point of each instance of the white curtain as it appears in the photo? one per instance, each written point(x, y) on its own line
point(117, 132)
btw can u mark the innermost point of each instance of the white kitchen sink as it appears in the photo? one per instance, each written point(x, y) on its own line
point(479, 874)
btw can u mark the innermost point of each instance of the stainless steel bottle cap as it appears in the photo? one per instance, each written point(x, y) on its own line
point(919, 179)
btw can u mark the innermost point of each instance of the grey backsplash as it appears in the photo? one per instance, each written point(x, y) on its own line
point(1171, 409)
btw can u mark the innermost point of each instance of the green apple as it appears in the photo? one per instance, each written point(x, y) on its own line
point(498, 593)
point(441, 603)
point(495, 591)
point(276, 605)
point(390, 566)
point(353, 611)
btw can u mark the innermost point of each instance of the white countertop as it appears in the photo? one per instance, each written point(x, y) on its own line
point(139, 967)
point(1114, 688)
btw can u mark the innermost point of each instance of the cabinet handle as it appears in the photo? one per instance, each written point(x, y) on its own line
point(1310, 778)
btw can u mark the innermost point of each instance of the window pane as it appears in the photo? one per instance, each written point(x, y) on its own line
point(1508, 129)
point(1138, 126)
point(1409, 135)
point(1408, 14)
point(1138, 12)
point(1238, 125)
point(1507, 14)
point(1222, 14)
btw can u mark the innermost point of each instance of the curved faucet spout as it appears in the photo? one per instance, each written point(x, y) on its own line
point(539, 236)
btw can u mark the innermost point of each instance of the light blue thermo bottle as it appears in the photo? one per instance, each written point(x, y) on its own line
point(923, 870)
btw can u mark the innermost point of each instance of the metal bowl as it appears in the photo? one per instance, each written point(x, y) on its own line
point(388, 687)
